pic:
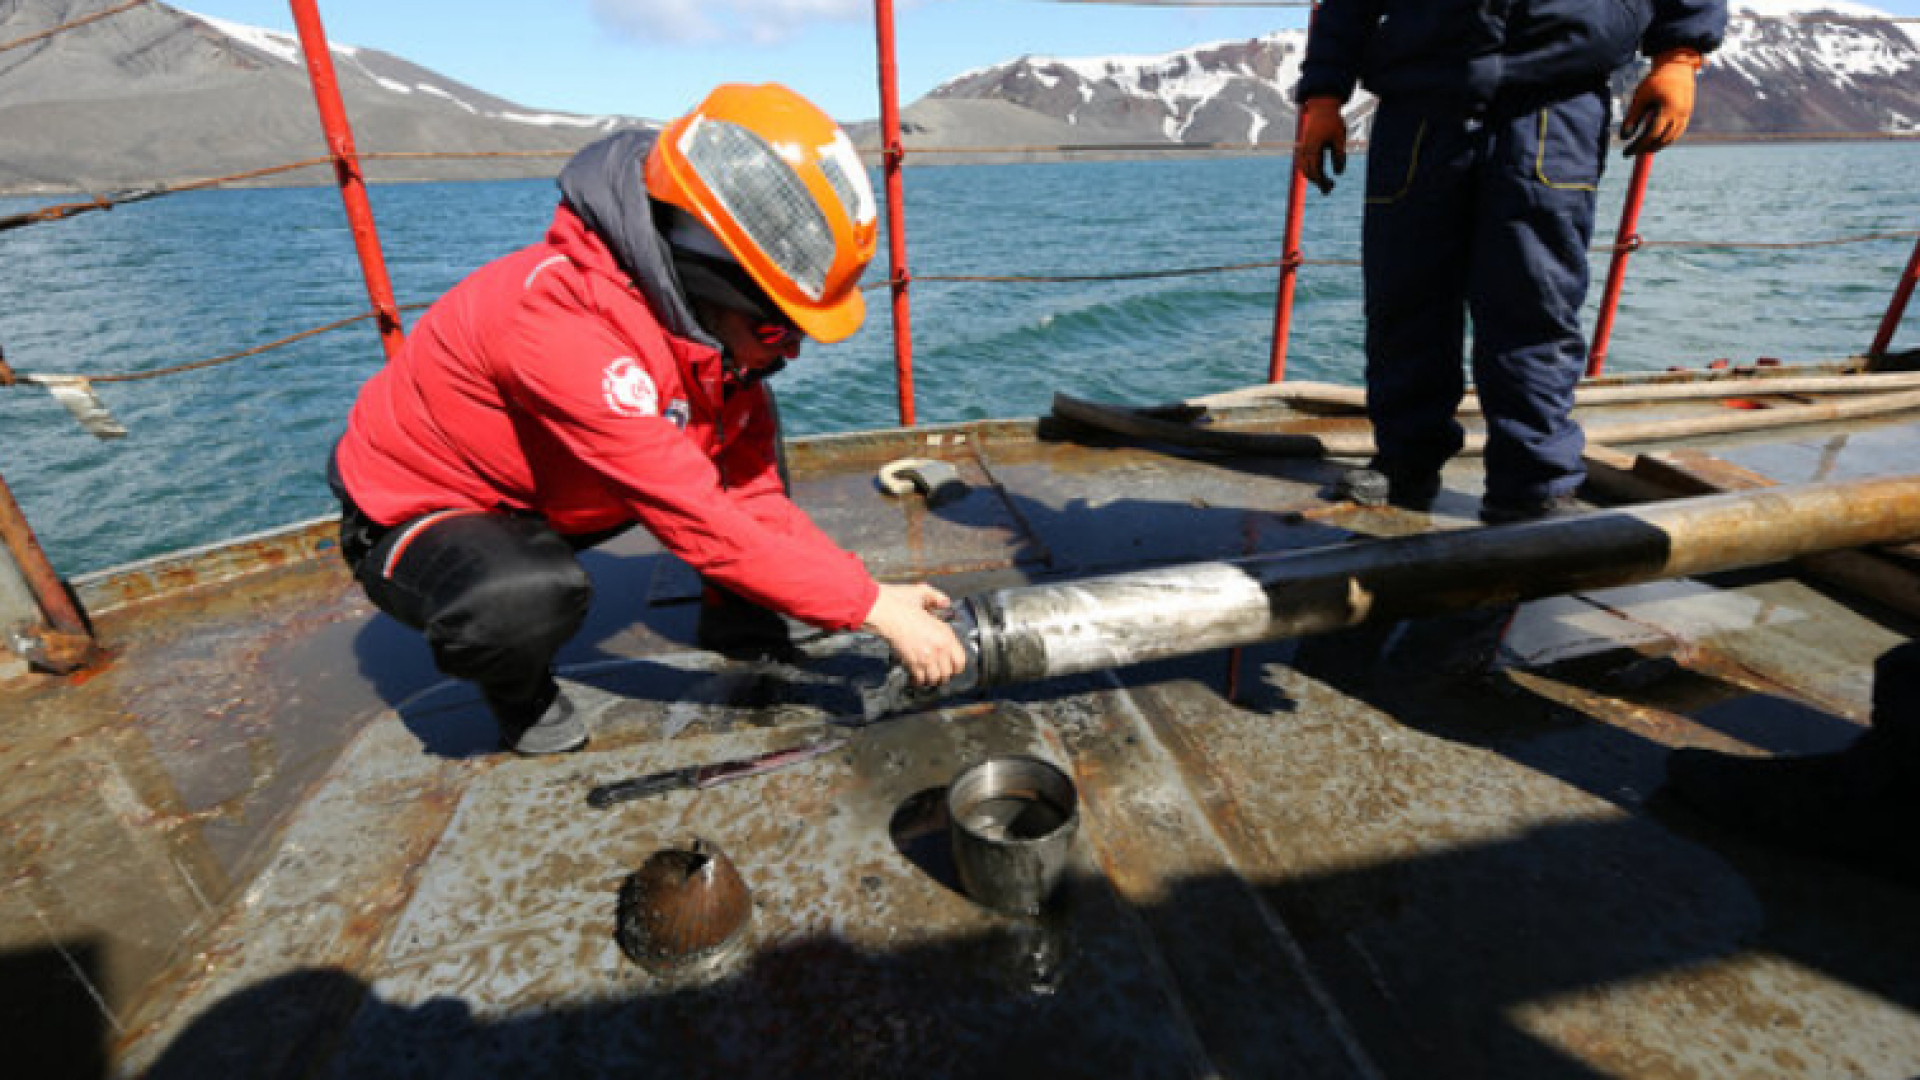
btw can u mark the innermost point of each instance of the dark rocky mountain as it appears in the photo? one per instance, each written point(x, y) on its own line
point(156, 94)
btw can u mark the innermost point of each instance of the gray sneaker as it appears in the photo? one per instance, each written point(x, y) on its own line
point(559, 730)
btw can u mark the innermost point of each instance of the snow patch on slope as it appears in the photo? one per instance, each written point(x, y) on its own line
point(1780, 41)
point(1183, 73)
point(1808, 12)
point(280, 46)
point(1180, 81)
point(1783, 9)
point(286, 48)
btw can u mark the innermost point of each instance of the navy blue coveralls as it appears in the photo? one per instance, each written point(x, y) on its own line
point(1482, 167)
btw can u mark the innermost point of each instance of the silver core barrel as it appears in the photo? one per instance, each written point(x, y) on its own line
point(1042, 631)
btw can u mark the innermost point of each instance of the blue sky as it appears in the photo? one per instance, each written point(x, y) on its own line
point(654, 58)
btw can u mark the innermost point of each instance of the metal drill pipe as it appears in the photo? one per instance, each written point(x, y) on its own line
point(1036, 632)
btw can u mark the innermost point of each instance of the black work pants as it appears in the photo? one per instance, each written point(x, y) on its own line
point(496, 594)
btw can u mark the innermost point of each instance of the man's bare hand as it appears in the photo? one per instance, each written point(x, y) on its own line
point(926, 646)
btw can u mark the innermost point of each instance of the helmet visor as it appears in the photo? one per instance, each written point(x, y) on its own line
point(766, 197)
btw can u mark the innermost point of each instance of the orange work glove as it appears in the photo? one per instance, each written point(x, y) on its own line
point(1323, 132)
point(1663, 104)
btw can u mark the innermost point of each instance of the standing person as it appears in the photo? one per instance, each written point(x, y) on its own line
point(611, 375)
point(1485, 154)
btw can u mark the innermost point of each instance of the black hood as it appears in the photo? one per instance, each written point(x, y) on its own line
point(605, 185)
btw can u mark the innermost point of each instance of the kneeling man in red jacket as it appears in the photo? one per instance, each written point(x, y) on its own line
point(611, 375)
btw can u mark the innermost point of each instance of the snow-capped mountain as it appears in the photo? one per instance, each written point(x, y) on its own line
point(396, 76)
point(1229, 91)
point(1788, 66)
point(159, 94)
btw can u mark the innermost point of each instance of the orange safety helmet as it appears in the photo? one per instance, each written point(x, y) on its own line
point(782, 187)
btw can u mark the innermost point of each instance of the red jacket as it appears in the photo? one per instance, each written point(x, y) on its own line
point(544, 382)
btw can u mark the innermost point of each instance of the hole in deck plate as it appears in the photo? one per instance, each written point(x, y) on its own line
point(919, 831)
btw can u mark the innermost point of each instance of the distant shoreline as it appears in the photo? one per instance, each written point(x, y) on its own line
point(931, 155)
point(928, 156)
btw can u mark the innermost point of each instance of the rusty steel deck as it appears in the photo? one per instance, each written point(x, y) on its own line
point(266, 839)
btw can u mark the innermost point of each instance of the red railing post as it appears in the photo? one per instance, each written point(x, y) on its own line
point(1290, 257)
point(1897, 309)
point(346, 167)
point(1290, 260)
point(69, 645)
point(1625, 242)
point(893, 154)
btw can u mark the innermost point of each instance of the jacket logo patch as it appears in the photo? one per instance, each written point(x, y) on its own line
point(679, 412)
point(629, 389)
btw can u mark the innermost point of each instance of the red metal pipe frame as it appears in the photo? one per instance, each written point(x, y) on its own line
point(893, 154)
point(62, 614)
point(1290, 256)
point(1625, 243)
point(56, 604)
point(346, 166)
point(1289, 264)
point(1898, 308)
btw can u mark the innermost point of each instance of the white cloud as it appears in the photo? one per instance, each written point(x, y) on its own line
point(760, 22)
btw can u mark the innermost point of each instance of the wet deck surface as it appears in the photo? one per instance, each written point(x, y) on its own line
point(268, 840)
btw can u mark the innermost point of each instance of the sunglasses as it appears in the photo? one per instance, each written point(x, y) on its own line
point(777, 333)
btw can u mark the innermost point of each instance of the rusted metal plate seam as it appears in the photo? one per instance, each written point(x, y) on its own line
point(1343, 1032)
point(1143, 936)
point(178, 573)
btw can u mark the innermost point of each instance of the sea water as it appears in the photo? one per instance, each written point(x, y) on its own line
point(241, 447)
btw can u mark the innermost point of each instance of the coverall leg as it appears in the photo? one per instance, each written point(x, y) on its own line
point(1488, 214)
point(1415, 244)
point(1526, 281)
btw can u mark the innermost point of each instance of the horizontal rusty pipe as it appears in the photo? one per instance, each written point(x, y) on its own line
point(1036, 632)
point(1334, 443)
point(1354, 398)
